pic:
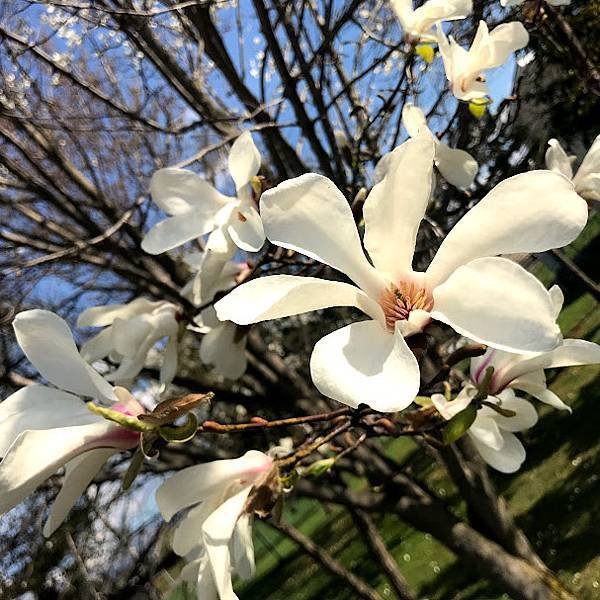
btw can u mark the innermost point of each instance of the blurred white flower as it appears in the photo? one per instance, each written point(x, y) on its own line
point(417, 23)
point(489, 299)
point(130, 331)
point(587, 178)
point(197, 208)
point(489, 50)
point(216, 533)
point(44, 428)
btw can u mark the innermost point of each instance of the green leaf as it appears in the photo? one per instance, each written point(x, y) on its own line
point(459, 424)
point(180, 433)
point(135, 466)
point(505, 412)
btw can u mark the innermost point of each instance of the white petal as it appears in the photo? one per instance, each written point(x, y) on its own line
point(277, 296)
point(78, 474)
point(39, 407)
point(310, 215)
point(242, 547)
point(176, 231)
point(456, 166)
point(37, 454)
point(363, 363)
point(504, 40)
point(101, 316)
point(98, 346)
point(168, 369)
point(244, 160)
point(496, 302)
point(558, 299)
point(557, 159)
point(225, 347)
point(395, 207)
point(217, 530)
point(188, 533)
point(531, 212)
point(246, 229)
point(506, 460)
point(195, 484)
point(48, 343)
point(587, 179)
point(435, 11)
point(450, 408)
point(414, 121)
point(525, 417)
point(178, 191)
point(486, 431)
point(540, 392)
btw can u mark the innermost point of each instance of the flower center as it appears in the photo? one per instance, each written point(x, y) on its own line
point(399, 300)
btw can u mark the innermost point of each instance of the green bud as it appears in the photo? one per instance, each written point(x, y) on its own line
point(459, 424)
point(126, 421)
point(319, 468)
point(423, 401)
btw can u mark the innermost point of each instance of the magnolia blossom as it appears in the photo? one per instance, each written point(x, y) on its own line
point(456, 166)
point(587, 178)
point(489, 299)
point(44, 428)
point(130, 331)
point(417, 24)
point(197, 208)
point(224, 343)
point(493, 434)
point(216, 533)
point(526, 372)
point(488, 50)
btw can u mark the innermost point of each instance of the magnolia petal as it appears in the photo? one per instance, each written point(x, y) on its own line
point(179, 191)
point(98, 346)
point(246, 229)
point(504, 40)
point(540, 392)
point(79, 472)
point(101, 316)
point(506, 460)
point(496, 302)
point(457, 167)
point(557, 159)
point(278, 296)
point(244, 160)
point(364, 364)
point(217, 531)
point(168, 369)
point(310, 215)
point(414, 120)
point(176, 231)
point(242, 547)
point(450, 408)
point(558, 299)
point(219, 347)
point(37, 454)
point(525, 417)
point(48, 343)
point(195, 484)
point(587, 179)
point(395, 207)
point(39, 407)
point(530, 212)
point(188, 533)
point(486, 431)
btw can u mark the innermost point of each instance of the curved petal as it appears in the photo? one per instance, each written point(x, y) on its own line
point(188, 533)
point(540, 392)
point(506, 460)
point(195, 484)
point(277, 296)
point(48, 343)
point(435, 11)
point(242, 547)
point(525, 417)
point(40, 407)
point(176, 231)
point(557, 159)
point(101, 316)
point(414, 120)
point(496, 302)
point(78, 474)
point(168, 369)
point(503, 41)
point(531, 212)
point(395, 207)
point(244, 160)
point(98, 346)
point(457, 167)
point(587, 179)
point(364, 364)
point(486, 431)
point(246, 229)
point(310, 215)
point(178, 191)
point(225, 348)
point(558, 299)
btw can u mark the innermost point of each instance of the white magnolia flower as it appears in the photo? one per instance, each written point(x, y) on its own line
point(493, 434)
point(224, 343)
point(489, 299)
point(44, 428)
point(417, 24)
point(526, 372)
point(197, 208)
point(587, 178)
point(488, 50)
point(456, 166)
point(216, 533)
point(130, 331)
point(509, 3)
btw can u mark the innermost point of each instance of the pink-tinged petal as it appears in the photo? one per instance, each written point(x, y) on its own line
point(79, 472)
point(278, 296)
point(364, 364)
point(496, 302)
point(195, 484)
point(310, 215)
point(40, 407)
point(48, 343)
point(531, 212)
point(395, 207)
point(244, 160)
